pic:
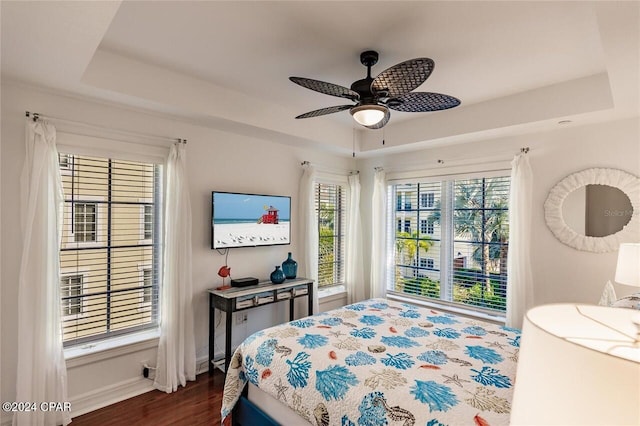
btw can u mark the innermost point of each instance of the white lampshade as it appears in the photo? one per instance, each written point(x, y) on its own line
point(578, 365)
point(628, 268)
point(368, 115)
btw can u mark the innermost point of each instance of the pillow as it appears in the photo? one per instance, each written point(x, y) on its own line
point(608, 297)
point(631, 302)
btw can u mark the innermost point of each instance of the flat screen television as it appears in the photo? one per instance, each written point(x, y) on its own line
point(249, 220)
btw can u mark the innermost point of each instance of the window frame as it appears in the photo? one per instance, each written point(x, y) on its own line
point(498, 169)
point(149, 170)
point(341, 229)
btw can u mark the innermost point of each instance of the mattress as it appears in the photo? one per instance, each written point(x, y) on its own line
point(380, 362)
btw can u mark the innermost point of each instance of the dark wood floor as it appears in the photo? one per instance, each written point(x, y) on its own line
point(196, 404)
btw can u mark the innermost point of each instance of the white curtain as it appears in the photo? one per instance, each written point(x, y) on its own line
point(309, 227)
point(176, 361)
point(42, 373)
point(354, 269)
point(378, 237)
point(519, 281)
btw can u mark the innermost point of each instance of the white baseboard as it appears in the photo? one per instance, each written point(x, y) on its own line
point(99, 398)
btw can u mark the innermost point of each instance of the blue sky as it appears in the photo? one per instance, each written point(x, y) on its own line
point(245, 206)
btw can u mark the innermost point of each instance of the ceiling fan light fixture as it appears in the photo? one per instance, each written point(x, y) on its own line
point(368, 115)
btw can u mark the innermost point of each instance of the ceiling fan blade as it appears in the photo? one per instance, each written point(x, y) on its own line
point(423, 101)
point(403, 77)
point(381, 123)
point(324, 111)
point(326, 88)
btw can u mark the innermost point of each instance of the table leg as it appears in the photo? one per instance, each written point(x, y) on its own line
point(227, 343)
point(291, 309)
point(212, 332)
point(310, 297)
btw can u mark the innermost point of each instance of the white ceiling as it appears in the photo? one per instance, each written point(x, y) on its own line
point(516, 66)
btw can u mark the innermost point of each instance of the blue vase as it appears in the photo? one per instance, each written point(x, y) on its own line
point(290, 267)
point(277, 276)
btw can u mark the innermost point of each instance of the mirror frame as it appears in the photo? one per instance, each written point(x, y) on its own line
point(626, 182)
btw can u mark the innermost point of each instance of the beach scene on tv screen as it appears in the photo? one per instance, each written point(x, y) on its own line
point(241, 220)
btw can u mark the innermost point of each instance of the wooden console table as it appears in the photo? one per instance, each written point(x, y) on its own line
point(242, 298)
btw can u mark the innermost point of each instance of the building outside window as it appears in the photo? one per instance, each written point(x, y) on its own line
point(330, 206)
point(108, 293)
point(460, 254)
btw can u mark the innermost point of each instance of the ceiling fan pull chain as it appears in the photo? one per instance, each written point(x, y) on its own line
point(354, 141)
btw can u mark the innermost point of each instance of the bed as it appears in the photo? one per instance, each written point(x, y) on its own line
point(376, 362)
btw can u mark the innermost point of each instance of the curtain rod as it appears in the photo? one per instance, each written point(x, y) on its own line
point(333, 169)
point(523, 150)
point(36, 116)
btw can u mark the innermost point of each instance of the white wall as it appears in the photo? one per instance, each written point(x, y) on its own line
point(225, 161)
point(216, 161)
point(561, 273)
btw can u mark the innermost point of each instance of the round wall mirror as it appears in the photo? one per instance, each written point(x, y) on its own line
point(595, 209)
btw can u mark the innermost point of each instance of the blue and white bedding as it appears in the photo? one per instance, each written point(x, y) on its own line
point(382, 362)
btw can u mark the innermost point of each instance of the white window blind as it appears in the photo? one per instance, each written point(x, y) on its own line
point(103, 290)
point(458, 252)
point(330, 205)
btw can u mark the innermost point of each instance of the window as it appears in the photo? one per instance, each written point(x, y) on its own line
point(403, 201)
point(407, 225)
point(460, 254)
point(70, 291)
point(147, 286)
point(330, 208)
point(427, 262)
point(63, 160)
point(426, 200)
point(427, 226)
point(148, 222)
point(106, 285)
point(85, 222)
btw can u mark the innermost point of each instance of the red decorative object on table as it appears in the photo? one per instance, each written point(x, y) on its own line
point(224, 272)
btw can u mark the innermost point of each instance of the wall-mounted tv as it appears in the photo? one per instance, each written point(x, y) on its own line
point(249, 220)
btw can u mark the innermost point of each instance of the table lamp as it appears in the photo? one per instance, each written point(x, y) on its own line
point(578, 365)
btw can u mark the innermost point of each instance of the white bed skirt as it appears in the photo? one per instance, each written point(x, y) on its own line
point(274, 408)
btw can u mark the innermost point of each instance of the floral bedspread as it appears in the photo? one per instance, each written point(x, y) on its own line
point(382, 362)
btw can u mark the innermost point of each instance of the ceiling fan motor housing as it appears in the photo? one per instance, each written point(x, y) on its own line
point(363, 88)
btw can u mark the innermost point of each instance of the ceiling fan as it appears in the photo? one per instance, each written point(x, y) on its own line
point(391, 89)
